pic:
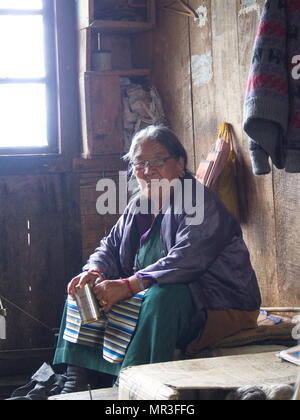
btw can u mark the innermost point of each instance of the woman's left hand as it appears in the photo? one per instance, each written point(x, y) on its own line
point(109, 292)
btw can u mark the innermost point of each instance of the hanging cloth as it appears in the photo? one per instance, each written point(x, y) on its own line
point(272, 101)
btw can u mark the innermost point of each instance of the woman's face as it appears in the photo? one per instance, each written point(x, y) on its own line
point(150, 150)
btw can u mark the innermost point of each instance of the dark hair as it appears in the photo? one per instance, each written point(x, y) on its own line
point(162, 135)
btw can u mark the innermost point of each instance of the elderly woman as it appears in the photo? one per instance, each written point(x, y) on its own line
point(198, 280)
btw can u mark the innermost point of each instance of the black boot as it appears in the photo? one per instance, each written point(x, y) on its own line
point(77, 380)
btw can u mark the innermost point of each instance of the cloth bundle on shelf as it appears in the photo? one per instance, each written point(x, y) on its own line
point(142, 106)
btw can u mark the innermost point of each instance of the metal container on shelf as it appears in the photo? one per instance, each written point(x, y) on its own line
point(101, 59)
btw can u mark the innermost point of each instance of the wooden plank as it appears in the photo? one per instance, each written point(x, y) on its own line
point(39, 164)
point(287, 204)
point(120, 47)
point(225, 62)
point(67, 55)
point(89, 10)
point(170, 64)
point(96, 227)
point(123, 73)
point(282, 309)
point(84, 50)
point(46, 353)
point(160, 381)
point(14, 381)
point(90, 179)
point(101, 109)
point(104, 163)
point(88, 199)
point(88, 187)
point(120, 27)
point(141, 49)
point(72, 225)
point(107, 394)
point(89, 194)
point(85, 12)
point(32, 264)
point(93, 225)
point(202, 80)
point(256, 193)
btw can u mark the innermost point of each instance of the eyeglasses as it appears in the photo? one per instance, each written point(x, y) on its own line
point(155, 163)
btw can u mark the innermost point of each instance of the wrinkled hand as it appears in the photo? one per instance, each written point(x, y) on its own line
point(81, 280)
point(109, 292)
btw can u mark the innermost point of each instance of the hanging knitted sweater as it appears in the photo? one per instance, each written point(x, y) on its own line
point(272, 102)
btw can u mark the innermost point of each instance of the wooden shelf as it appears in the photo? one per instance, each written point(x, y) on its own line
point(99, 163)
point(101, 91)
point(120, 27)
point(120, 73)
point(89, 16)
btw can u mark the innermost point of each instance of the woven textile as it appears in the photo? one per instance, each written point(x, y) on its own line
point(272, 102)
point(111, 335)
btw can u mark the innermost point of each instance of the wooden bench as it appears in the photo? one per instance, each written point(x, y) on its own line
point(188, 379)
point(195, 379)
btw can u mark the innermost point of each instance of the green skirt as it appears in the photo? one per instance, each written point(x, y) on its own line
point(164, 324)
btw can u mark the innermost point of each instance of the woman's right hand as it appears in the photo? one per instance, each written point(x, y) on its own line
point(80, 281)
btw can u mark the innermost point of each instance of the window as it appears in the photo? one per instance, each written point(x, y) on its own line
point(28, 88)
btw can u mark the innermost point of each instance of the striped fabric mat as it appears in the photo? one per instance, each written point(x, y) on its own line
point(112, 335)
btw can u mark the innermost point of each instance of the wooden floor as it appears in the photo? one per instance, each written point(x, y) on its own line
point(108, 394)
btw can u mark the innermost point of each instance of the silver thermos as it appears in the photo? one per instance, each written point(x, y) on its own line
point(88, 305)
point(2, 322)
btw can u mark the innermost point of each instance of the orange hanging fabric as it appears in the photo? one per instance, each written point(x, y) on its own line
point(218, 171)
point(226, 184)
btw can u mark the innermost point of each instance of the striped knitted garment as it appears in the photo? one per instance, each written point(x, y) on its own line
point(293, 136)
point(272, 102)
point(112, 335)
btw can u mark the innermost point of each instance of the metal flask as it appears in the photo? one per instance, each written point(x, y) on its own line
point(88, 306)
point(101, 60)
point(2, 322)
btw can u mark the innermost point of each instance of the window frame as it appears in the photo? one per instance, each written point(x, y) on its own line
point(50, 80)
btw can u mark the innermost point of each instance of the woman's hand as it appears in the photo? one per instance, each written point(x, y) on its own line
point(81, 280)
point(109, 292)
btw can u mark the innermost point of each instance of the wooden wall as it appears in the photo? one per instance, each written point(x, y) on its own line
point(95, 226)
point(200, 69)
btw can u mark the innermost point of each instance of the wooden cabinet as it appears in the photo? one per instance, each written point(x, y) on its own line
point(100, 91)
point(99, 14)
point(102, 128)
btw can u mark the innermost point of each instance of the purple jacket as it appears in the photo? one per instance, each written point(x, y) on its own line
point(211, 258)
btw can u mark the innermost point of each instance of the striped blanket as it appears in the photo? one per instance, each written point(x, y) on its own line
point(112, 334)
